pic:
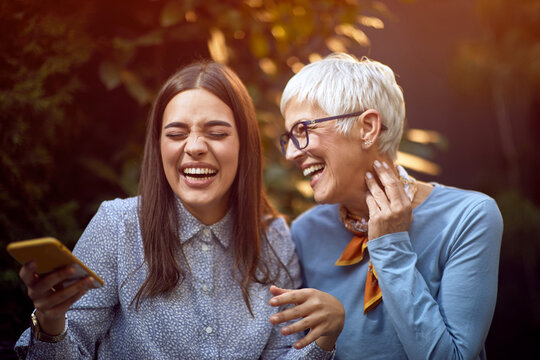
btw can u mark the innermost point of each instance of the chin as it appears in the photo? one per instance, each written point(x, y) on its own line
point(322, 198)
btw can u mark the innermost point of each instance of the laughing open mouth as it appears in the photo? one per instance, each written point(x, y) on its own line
point(313, 170)
point(199, 173)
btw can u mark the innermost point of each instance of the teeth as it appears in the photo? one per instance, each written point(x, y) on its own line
point(309, 170)
point(199, 171)
point(197, 178)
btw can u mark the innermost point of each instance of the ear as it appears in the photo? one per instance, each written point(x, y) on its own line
point(368, 127)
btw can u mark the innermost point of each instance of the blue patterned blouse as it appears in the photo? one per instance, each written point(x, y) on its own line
point(204, 318)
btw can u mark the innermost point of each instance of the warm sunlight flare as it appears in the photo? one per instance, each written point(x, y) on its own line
point(279, 32)
point(417, 163)
point(217, 46)
point(352, 32)
point(335, 44)
point(371, 21)
point(423, 136)
point(314, 57)
point(268, 66)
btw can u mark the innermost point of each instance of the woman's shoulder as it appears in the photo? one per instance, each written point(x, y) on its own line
point(120, 208)
point(456, 196)
point(318, 216)
point(462, 203)
point(279, 237)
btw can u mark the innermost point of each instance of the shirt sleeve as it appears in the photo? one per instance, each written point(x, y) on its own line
point(280, 346)
point(91, 316)
point(454, 323)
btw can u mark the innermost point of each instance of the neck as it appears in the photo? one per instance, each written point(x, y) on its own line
point(357, 206)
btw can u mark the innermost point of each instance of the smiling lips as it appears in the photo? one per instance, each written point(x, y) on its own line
point(313, 170)
point(199, 174)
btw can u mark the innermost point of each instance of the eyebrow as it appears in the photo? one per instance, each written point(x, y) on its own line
point(206, 124)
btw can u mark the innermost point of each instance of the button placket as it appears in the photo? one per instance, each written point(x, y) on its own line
point(206, 279)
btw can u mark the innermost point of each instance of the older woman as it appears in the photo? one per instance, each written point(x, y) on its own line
point(187, 264)
point(414, 264)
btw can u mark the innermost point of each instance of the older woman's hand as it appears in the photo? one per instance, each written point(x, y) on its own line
point(318, 311)
point(390, 210)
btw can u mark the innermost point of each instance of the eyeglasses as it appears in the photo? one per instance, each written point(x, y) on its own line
point(299, 132)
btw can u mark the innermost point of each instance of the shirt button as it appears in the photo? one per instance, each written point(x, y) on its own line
point(206, 231)
point(204, 247)
point(208, 330)
point(205, 289)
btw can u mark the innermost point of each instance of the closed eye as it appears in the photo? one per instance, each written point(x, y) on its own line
point(217, 135)
point(176, 135)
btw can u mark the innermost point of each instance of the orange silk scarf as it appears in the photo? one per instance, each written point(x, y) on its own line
point(354, 253)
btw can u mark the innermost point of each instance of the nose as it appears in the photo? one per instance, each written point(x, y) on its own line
point(195, 145)
point(291, 152)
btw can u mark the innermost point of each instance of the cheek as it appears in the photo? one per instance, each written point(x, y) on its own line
point(168, 153)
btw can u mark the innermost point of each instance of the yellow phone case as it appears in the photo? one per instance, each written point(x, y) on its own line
point(49, 254)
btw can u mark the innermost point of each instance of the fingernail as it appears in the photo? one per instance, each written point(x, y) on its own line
point(273, 302)
point(377, 163)
point(274, 319)
point(297, 345)
point(385, 164)
point(285, 331)
point(369, 175)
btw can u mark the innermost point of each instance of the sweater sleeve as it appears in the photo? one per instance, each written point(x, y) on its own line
point(454, 323)
point(89, 319)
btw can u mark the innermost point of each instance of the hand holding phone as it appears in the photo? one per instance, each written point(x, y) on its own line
point(49, 255)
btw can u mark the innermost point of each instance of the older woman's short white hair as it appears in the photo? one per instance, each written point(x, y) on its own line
point(341, 84)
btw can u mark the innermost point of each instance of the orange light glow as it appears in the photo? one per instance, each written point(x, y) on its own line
point(217, 46)
point(423, 136)
point(268, 66)
point(416, 163)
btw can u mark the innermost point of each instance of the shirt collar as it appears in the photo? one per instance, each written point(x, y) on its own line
point(190, 226)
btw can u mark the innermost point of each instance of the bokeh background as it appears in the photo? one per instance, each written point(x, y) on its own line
point(77, 79)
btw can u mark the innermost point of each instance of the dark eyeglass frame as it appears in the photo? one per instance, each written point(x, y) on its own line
point(288, 135)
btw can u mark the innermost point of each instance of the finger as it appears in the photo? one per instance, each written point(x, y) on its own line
point(27, 273)
point(276, 291)
point(293, 313)
point(373, 207)
point(59, 310)
point(306, 322)
point(378, 194)
point(53, 299)
point(310, 337)
point(53, 279)
point(392, 185)
point(289, 297)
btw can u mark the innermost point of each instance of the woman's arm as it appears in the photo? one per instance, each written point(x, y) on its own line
point(321, 312)
point(87, 322)
point(454, 323)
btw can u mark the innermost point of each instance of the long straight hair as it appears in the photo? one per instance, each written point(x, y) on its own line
point(158, 214)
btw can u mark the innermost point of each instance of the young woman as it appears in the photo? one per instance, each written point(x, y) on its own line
point(188, 263)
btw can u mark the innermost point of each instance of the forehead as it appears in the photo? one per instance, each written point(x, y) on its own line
point(296, 111)
point(196, 106)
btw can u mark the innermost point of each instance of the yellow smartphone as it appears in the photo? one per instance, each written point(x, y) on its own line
point(50, 254)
